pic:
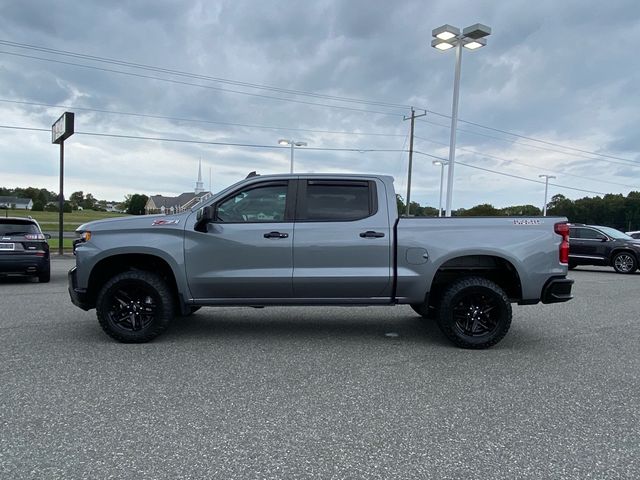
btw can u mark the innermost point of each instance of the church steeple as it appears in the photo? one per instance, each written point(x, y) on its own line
point(199, 186)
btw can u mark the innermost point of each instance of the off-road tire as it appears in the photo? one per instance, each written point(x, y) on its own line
point(140, 298)
point(474, 313)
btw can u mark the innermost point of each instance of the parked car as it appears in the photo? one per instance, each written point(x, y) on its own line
point(318, 240)
point(24, 249)
point(605, 246)
point(635, 234)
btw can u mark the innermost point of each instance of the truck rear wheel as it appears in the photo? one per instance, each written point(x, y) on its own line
point(474, 313)
point(135, 306)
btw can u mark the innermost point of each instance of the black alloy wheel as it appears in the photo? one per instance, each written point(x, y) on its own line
point(475, 313)
point(134, 306)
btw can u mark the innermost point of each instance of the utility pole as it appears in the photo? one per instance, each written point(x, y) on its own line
point(413, 120)
point(546, 191)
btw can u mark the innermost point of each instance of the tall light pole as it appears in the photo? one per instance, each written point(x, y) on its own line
point(284, 141)
point(441, 165)
point(447, 37)
point(546, 191)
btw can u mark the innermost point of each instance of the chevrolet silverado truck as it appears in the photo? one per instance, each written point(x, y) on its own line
point(318, 239)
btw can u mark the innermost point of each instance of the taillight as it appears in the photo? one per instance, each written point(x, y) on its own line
point(562, 229)
point(34, 236)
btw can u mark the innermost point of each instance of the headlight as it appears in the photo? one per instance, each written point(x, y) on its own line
point(82, 237)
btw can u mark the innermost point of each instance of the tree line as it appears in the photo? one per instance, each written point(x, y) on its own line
point(611, 210)
point(46, 200)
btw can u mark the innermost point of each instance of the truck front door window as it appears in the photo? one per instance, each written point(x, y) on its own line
point(260, 204)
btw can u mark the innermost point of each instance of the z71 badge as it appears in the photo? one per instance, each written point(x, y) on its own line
point(164, 222)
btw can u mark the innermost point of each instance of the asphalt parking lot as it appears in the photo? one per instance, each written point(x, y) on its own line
point(321, 392)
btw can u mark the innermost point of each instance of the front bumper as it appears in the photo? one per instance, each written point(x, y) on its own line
point(557, 290)
point(78, 296)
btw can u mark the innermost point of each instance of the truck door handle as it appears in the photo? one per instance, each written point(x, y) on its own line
point(371, 234)
point(276, 235)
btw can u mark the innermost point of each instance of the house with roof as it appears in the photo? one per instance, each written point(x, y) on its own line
point(184, 201)
point(16, 203)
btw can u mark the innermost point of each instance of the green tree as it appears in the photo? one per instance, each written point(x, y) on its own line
point(89, 202)
point(134, 204)
point(76, 199)
point(521, 211)
point(482, 210)
point(38, 206)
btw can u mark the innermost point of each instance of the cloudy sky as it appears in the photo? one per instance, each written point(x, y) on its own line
point(555, 91)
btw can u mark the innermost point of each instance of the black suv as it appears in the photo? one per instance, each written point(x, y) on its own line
point(595, 245)
point(24, 249)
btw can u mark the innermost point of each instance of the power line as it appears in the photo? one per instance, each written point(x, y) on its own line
point(525, 137)
point(538, 147)
point(480, 154)
point(198, 76)
point(181, 119)
point(509, 174)
point(249, 145)
point(203, 142)
point(529, 179)
point(209, 87)
point(274, 89)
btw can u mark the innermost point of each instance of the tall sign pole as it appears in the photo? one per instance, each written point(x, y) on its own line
point(62, 129)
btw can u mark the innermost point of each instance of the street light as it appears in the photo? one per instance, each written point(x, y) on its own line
point(447, 37)
point(546, 190)
point(284, 141)
point(440, 164)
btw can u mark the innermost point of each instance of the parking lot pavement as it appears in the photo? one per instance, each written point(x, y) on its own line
point(321, 392)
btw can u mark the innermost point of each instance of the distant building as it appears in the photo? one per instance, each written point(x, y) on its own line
point(184, 201)
point(16, 202)
point(112, 207)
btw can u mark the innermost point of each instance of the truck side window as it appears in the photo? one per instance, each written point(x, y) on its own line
point(259, 204)
point(336, 201)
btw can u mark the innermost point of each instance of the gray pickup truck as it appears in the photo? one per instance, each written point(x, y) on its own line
point(317, 239)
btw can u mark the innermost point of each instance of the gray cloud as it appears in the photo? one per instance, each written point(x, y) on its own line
point(563, 73)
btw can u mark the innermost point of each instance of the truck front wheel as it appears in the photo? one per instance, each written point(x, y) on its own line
point(474, 313)
point(135, 306)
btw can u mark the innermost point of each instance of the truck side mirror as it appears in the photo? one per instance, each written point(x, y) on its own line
point(205, 214)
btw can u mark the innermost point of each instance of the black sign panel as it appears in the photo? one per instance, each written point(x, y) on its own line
point(62, 128)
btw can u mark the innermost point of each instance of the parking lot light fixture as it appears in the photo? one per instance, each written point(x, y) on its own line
point(447, 37)
point(293, 144)
point(446, 32)
point(475, 44)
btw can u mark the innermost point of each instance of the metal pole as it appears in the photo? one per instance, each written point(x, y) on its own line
point(413, 118)
point(61, 200)
point(546, 190)
point(441, 184)
point(454, 126)
point(291, 169)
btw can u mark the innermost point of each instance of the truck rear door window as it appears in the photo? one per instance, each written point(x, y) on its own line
point(326, 200)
